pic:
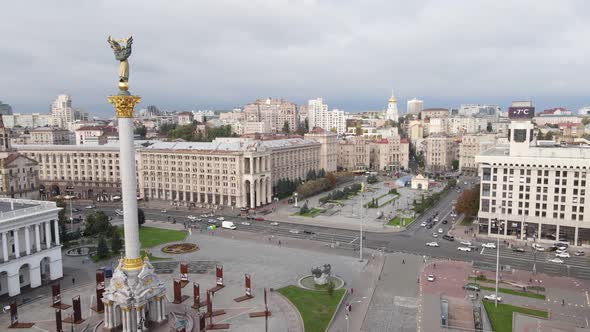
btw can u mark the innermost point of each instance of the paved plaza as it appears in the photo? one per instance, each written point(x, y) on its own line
point(270, 266)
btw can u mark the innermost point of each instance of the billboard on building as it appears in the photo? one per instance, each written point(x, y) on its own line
point(521, 112)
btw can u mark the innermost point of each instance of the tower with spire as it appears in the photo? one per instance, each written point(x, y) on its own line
point(392, 113)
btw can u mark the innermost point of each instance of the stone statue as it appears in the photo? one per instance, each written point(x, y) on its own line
point(122, 54)
point(321, 274)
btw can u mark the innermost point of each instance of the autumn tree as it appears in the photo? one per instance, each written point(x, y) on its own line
point(468, 202)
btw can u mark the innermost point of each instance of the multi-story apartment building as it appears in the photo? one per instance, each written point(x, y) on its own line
point(50, 136)
point(62, 111)
point(31, 251)
point(479, 110)
point(535, 193)
point(319, 116)
point(440, 153)
point(185, 118)
point(390, 154)
point(471, 146)
point(18, 174)
point(250, 127)
point(275, 112)
point(328, 150)
point(415, 106)
point(28, 120)
point(87, 134)
point(86, 171)
point(354, 153)
point(429, 113)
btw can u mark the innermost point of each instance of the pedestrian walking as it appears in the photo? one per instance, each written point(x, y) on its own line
point(403, 261)
point(435, 265)
point(563, 302)
point(351, 291)
point(279, 243)
point(73, 281)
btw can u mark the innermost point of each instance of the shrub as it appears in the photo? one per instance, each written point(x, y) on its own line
point(102, 250)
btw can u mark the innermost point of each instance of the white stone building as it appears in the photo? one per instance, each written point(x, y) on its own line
point(391, 113)
point(471, 146)
point(50, 136)
point(329, 148)
point(30, 253)
point(535, 193)
point(415, 106)
point(319, 116)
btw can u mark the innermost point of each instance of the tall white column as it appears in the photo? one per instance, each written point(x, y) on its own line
point(4, 247)
point(157, 303)
point(124, 315)
point(263, 191)
point(48, 234)
point(269, 190)
point(251, 165)
point(138, 318)
point(107, 318)
point(258, 193)
point(128, 187)
point(27, 241)
point(16, 243)
point(37, 238)
point(56, 230)
point(252, 203)
point(162, 308)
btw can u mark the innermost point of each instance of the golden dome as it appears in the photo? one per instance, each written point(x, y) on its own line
point(392, 99)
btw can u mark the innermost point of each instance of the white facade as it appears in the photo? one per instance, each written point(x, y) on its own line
point(30, 253)
point(477, 109)
point(415, 106)
point(556, 119)
point(62, 111)
point(28, 120)
point(535, 193)
point(320, 117)
point(392, 113)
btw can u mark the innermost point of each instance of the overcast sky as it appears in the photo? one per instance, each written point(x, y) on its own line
point(220, 54)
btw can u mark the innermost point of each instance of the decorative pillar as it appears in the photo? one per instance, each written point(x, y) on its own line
point(16, 243)
point(251, 165)
point(576, 236)
point(252, 204)
point(138, 317)
point(163, 308)
point(56, 230)
point(48, 235)
point(37, 238)
point(27, 241)
point(4, 247)
point(263, 191)
point(124, 320)
point(258, 192)
point(107, 310)
point(124, 103)
point(522, 230)
point(269, 190)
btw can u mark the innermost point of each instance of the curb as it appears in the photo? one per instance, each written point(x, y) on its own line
point(344, 297)
point(292, 307)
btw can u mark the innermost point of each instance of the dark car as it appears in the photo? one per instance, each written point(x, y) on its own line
point(448, 237)
point(471, 286)
point(308, 232)
point(445, 222)
point(429, 226)
point(474, 248)
point(518, 249)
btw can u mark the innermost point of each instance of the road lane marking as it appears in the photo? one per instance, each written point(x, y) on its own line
point(587, 298)
point(482, 250)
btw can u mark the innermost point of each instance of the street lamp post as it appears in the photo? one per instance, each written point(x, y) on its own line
point(361, 214)
point(497, 262)
point(295, 194)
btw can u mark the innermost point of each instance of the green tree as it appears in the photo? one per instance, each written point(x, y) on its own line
point(141, 131)
point(306, 125)
point(286, 128)
point(116, 243)
point(549, 136)
point(586, 120)
point(372, 179)
point(98, 224)
point(321, 173)
point(455, 164)
point(304, 209)
point(140, 217)
point(540, 136)
point(102, 249)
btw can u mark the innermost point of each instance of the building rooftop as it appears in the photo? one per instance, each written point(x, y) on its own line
point(232, 144)
point(11, 208)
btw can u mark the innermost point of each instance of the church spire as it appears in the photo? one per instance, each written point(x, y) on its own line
point(392, 98)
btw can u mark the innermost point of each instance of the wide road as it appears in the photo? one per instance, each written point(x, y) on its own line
point(411, 241)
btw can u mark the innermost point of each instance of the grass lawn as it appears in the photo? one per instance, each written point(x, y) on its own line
point(501, 317)
point(153, 258)
point(311, 213)
point(514, 292)
point(152, 236)
point(316, 308)
point(397, 221)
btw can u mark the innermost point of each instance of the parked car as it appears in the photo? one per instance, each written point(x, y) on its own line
point(294, 231)
point(90, 207)
point(471, 286)
point(492, 297)
point(464, 249)
point(245, 223)
point(465, 243)
point(518, 249)
point(449, 237)
point(579, 253)
point(164, 211)
point(440, 231)
point(221, 218)
point(431, 277)
point(538, 247)
point(429, 226)
point(434, 235)
point(423, 224)
point(432, 244)
point(119, 212)
point(562, 255)
point(212, 221)
point(262, 219)
point(228, 225)
point(192, 218)
point(489, 245)
point(309, 232)
point(445, 222)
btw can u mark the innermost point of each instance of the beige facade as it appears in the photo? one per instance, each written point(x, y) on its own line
point(415, 130)
point(328, 150)
point(18, 174)
point(391, 154)
point(274, 112)
point(434, 113)
point(255, 127)
point(470, 146)
point(354, 153)
point(439, 153)
point(535, 193)
point(185, 118)
point(51, 136)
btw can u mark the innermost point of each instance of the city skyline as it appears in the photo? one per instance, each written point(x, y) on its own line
point(215, 59)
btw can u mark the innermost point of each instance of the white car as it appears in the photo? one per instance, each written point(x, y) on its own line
point(431, 277)
point(221, 218)
point(192, 218)
point(245, 223)
point(538, 247)
point(562, 255)
point(90, 207)
point(164, 211)
point(432, 244)
point(465, 243)
point(434, 235)
point(294, 231)
point(464, 249)
point(274, 223)
point(440, 230)
point(492, 297)
point(423, 224)
point(489, 245)
point(435, 219)
point(556, 260)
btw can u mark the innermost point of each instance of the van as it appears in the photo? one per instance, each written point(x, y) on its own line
point(448, 237)
point(228, 225)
